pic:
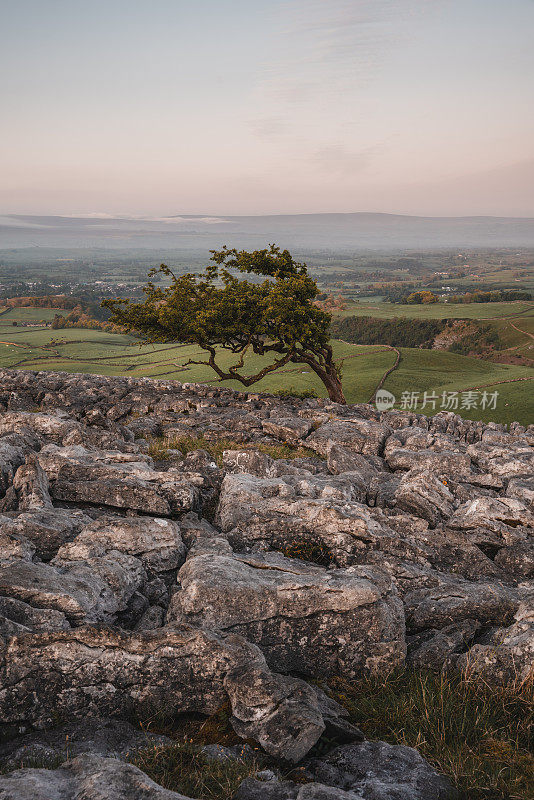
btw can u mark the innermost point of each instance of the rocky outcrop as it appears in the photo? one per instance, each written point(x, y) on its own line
point(173, 670)
point(397, 538)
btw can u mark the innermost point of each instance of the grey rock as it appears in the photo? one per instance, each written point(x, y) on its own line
point(287, 429)
point(89, 777)
point(156, 542)
point(518, 559)
point(505, 461)
point(304, 618)
point(380, 771)
point(522, 489)
point(83, 592)
point(13, 546)
point(493, 513)
point(152, 618)
point(49, 529)
point(340, 459)
point(454, 600)
point(446, 463)
point(106, 672)
point(357, 435)
point(270, 513)
point(422, 493)
point(254, 789)
point(101, 736)
point(509, 657)
point(16, 617)
point(113, 480)
point(433, 648)
point(31, 485)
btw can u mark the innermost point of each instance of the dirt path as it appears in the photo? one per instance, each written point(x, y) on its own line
point(530, 335)
point(387, 373)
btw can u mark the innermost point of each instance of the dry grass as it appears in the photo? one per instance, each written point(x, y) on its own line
point(480, 736)
point(182, 767)
point(308, 550)
point(159, 448)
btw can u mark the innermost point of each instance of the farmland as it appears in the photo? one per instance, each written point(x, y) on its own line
point(78, 350)
point(477, 311)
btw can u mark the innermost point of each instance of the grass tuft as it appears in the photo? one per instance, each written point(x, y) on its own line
point(159, 448)
point(291, 393)
point(308, 550)
point(182, 767)
point(478, 735)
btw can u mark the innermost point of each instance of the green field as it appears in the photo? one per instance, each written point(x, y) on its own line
point(30, 314)
point(76, 350)
point(438, 310)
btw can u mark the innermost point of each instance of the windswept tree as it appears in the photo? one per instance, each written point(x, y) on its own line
point(220, 311)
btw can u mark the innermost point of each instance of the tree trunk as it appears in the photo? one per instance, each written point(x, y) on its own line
point(335, 390)
point(329, 375)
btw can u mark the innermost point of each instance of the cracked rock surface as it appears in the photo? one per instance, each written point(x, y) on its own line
point(131, 584)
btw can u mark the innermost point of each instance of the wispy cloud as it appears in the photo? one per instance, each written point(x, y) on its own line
point(332, 45)
point(339, 160)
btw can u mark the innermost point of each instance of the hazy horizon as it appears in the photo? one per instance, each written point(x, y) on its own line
point(410, 107)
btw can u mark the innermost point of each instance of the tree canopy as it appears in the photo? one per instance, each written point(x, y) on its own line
point(218, 310)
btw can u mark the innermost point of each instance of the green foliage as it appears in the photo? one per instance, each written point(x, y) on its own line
point(481, 340)
point(496, 296)
point(423, 297)
point(400, 332)
point(292, 393)
point(477, 734)
point(216, 309)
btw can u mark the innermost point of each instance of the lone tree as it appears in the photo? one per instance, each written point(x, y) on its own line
point(218, 311)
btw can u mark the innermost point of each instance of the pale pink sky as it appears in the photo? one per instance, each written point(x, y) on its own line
point(264, 106)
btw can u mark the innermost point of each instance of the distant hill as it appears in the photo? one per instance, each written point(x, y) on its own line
point(304, 232)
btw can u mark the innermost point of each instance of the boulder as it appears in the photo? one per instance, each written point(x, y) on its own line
point(508, 658)
point(378, 770)
point(287, 429)
point(90, 777)
point(85, 592)
point(340, 459)
point(440, 463)
point(100, 736)
point(156, 542)
point(272, 513)
point(112, 480)
point(108, 672)
point(305, 619)
point(366, 771)
point(17, 617)
point(48, 528)
point(357, 435)
point(13, 546)
point(522, 489)
point(453, 601)
point(422, 493)
point(31, 485)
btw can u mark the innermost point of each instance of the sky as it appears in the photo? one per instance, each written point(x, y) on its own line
point(159, 107)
